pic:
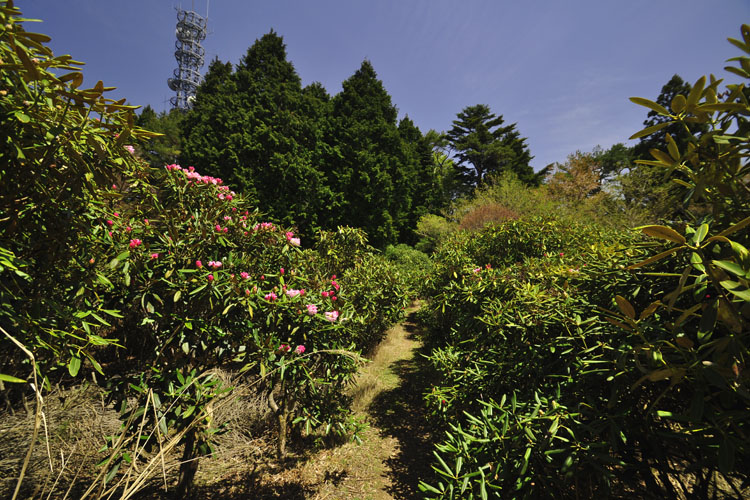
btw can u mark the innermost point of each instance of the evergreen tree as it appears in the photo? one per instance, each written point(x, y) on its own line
point(250, 128)
point(423, 182)
point(165, 149)
point(484, 146)
point(368, 164)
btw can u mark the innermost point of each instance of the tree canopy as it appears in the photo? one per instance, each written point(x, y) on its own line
point(483, 145)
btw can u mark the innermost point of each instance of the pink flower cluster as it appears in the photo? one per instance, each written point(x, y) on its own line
point(291, 293)
point(312, 309)
point(214, 264)
point(331, 316)
point(135, 242)
point(193, 176)
point(291, 239)
point(284, 348)
point(270, 297)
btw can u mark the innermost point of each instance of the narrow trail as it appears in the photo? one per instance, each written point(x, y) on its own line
point(394, 454)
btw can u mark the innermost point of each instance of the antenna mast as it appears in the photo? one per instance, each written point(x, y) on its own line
point(191, 31)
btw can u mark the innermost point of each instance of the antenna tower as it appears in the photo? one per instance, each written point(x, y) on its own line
point(191, 31)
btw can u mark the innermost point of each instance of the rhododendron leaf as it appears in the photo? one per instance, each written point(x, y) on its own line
point(74, 365)
point(177, 296)
point(664, 233)
point(198, 289)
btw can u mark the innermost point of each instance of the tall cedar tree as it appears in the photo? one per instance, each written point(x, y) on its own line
point(165, 149)
point(420, 163)
point(368, 160)
point(252, 127)
point(484, 146)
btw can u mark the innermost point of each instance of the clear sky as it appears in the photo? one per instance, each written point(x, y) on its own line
point(561, 70)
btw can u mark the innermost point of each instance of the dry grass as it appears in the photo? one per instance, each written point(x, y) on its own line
point(243, 466)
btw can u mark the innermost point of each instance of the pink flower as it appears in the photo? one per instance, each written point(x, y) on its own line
point(324, 294)
point(295, 242)
point(271, 297)
point(335, 285)
point(281, 270)
point(154, 255)
point(110, 222)
point(91, 260)
point(226, 229)
point(210, 277)
point(135, 243)
point(312, 309)
point(130, 149)
point(302, 292)
point(247, 292)
point(198, 264)
point(332, 316)
point(128, 229)
point(114, 186)
point(292, 293)
point(284, 348)
point(334, 297)
point(109, 233)
point(244, 275)
point(116, 214)
point(477, 269)
point(229, 197)
point(289, 235)
point(299, 349)
point(561, 254)
point(262, 277)
point(226, 217)
point(218, 228)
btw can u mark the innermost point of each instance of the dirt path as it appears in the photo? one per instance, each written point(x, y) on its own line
point(394, 454)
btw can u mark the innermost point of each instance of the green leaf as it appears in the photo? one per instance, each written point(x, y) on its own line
point(664, 233)
point(700, 234)
point(678, 103)
point(649, 130)
point(654, 258)
point(10, 378)
point(695, 93)
point(731, 267)
point(74, 365)
point(177, 296)
point(651, 105)
point(733, 286)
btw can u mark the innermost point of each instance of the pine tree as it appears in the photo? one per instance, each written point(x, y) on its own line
point(484, 146)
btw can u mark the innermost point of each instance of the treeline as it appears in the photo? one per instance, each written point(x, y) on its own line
point(315, 161)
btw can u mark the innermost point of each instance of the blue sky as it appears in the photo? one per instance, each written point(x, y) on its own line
point(561, 70)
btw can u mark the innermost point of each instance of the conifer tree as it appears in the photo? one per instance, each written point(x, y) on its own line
point(369, 160)
point(483, 145)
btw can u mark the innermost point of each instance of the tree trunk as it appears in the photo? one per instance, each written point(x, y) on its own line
point(188, 468)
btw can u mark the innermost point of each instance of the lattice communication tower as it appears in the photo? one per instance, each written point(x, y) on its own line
point(191, 31)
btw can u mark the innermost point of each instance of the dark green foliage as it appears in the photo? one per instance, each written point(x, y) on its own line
point(484, 146)
point(370, 168)
point(255, 129)
point(610, 365)
point(165, 149)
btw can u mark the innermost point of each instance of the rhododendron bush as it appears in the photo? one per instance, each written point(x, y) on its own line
point(150, 279)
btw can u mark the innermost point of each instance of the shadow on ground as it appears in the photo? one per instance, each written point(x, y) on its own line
point(400, 413)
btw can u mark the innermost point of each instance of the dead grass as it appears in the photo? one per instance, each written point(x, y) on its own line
point(77, 421)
